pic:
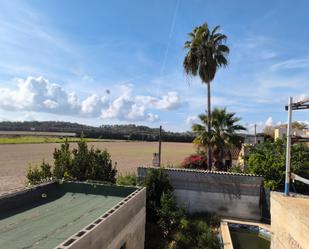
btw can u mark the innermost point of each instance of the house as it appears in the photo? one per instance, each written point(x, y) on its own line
point(281, 132)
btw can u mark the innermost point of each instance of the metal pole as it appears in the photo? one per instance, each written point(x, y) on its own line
point(160, 131)
point(288, 149)
point(254, 134)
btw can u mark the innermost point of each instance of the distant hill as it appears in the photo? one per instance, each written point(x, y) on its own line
point(124, 132)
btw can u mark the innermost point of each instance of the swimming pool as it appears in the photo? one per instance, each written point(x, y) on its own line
point(244, 235)
point(244, 238)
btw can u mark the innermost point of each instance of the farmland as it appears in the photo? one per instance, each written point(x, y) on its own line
point(15, 158)
point(40, 139)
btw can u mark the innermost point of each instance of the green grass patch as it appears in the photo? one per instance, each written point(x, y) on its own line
point(36, 139)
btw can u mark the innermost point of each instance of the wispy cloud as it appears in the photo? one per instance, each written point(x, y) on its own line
point(296, 63)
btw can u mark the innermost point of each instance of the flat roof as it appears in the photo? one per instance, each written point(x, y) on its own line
point(57, 214)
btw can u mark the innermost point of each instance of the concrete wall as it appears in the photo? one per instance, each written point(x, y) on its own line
point(123, 224)
point(228, 194)
point(289, 222)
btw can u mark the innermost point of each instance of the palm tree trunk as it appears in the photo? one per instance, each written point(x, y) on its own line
point(209, 124)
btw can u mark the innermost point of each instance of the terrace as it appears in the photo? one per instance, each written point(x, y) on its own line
point(47, 215)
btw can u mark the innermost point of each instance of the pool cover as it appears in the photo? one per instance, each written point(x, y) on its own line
point(57, 214)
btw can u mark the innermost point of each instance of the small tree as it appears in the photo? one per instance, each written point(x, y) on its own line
point(40, 174)
point(62, 160)
point(169, 214)
point(268, 159)
point(101, 166)
point(156, 183)
point(81, 162)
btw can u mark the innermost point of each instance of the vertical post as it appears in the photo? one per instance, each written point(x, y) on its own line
point(160, 139)
point(255, 138)
point(288, 149)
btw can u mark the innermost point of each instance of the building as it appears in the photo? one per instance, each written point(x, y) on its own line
point(280, 132)
point(253, 139)
point(73, 215)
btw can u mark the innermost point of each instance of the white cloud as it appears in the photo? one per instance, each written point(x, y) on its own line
point(269, 121)
point(37, 94)
point(130, 107)
point(190, 120)
point(170, 101)
point(93, 104)
point(50, 104)
point(259, 125)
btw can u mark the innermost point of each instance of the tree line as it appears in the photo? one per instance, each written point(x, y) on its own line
point(121, 132)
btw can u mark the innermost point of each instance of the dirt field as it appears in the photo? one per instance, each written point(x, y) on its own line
point(15, 158)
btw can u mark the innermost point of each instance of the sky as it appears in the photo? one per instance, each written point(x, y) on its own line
point(119, 62)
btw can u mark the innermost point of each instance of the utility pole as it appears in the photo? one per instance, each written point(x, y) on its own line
point(160, 140)
point(288, 149)
point(255, 139)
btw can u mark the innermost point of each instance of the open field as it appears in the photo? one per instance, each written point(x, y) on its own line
point(41, 139)
point(15, 158)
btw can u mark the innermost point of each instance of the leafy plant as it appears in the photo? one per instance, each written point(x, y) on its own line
point(156, 183)
point(37, 174)
point(195, 162)
point(80, 164)
point(195, 232)
point(169, 214)
point(128, 179)
point(222, 136)
point(268, 159)
point(62, 160)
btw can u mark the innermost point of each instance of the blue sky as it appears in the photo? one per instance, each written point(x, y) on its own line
point(106, 62)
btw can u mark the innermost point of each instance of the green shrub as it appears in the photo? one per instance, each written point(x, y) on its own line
point(100, 166)
point(235, 169)
point(268, 159)
point(62, 160)
point(80, 164)
point(156, 183)
point(194, 232)
point(37, 174)
point(33, 174)
point(45, 170)
point(129, 179)
point(169, 214)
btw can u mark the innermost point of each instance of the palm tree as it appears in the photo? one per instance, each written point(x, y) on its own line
point(206, 52)
point(222, 136)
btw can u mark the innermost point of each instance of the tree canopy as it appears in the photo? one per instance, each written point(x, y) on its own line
point(268, 159)
point(223, 135)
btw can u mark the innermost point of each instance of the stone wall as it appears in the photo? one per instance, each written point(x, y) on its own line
point(289, 221)
point(227, 194)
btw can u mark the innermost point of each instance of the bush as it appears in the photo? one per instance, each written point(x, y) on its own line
point(194, 232)
point(127, 179)
point(195, 162)
point(235, 169)
point(156, 183)
point(37, 175)
point(169, 214)
point(101, 166)
point(62, 161)
point(268, 159)
point(80, 164)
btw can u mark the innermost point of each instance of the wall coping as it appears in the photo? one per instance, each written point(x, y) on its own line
point(200, 171)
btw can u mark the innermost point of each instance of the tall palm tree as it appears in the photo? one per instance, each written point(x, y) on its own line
point(206, 52)
point(222, 136)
